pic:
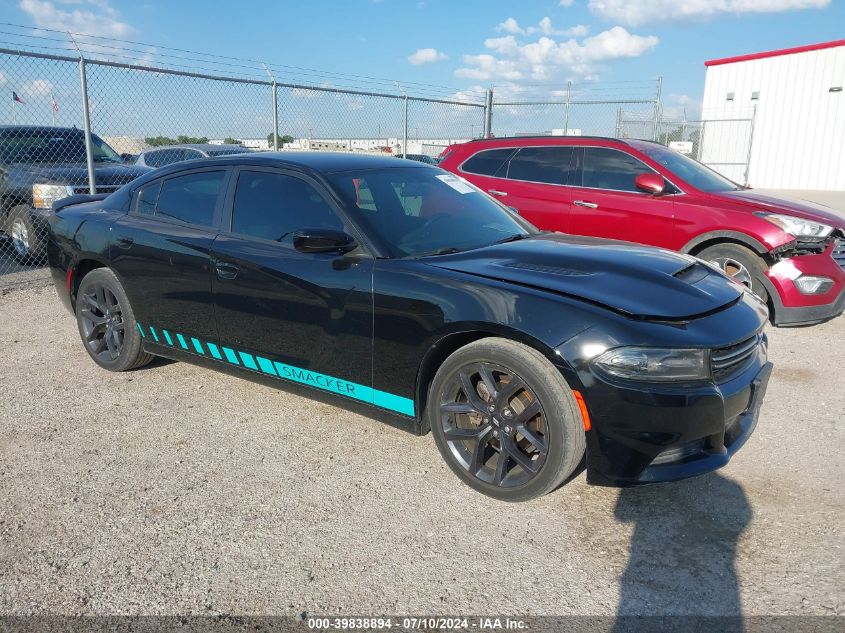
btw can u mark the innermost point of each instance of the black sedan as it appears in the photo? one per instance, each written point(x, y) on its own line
point(405, 288)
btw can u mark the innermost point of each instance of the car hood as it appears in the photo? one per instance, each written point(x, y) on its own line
point(77, 173)
point(638, 281)
point(805, 209)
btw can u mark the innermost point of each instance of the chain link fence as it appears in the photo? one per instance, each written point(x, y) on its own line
point(76, 123)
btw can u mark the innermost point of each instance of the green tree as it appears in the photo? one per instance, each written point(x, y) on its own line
point(157, 141)
point(282, 140)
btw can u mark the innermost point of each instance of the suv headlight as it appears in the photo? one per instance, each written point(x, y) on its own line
point(654, 364)
point(799, 227)
point(43, 196)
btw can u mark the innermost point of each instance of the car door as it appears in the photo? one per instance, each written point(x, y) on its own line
point(305, 317)
point(536, 185)
point(161, 249)
point(606, 203)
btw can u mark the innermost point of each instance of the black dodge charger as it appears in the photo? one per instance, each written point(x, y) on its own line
point(401, 286)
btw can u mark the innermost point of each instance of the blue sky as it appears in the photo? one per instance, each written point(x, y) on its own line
point(523, 49)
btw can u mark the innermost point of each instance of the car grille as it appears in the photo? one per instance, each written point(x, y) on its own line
point(727, 361)
point(100, 189)
point(838, 253)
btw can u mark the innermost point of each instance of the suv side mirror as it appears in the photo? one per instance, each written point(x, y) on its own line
point(650, 183)
point(323, 241)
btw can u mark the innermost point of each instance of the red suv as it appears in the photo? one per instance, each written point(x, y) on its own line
point(790, 254)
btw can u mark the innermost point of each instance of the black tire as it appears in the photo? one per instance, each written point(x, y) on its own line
point(107, 324)
point(29, 245)
point(741, 263)
point(528, 393)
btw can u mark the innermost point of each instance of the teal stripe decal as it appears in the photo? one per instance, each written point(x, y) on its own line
point(342, 387)
point(248, 360)
point(230, 356)
point(141, 330)
point(265, 365)
point(393, 402)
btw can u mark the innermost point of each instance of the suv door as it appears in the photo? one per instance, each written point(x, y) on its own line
point(606, 203)
point(160, 252)
point(537, 179)
point(305, 317)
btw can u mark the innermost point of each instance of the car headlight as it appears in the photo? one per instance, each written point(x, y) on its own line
point(43, 196)
point(654, 364)
point(799, 227)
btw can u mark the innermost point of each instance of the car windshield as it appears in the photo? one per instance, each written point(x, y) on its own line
point(699, 176)
point(423, 211)
point(53, 146)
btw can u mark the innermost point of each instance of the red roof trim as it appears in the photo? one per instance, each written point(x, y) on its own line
point(778, 53)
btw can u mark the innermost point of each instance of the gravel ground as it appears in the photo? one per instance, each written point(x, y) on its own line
point(177, 490)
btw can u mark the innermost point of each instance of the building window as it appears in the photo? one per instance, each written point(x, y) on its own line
point(755, 95)
point(730, 97)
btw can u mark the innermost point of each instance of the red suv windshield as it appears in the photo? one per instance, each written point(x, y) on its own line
point(701, 177)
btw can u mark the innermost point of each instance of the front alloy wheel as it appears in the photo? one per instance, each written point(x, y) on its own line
point(504, 419)
point(494, 425)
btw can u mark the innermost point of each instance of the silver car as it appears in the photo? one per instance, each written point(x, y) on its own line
point(165, 155)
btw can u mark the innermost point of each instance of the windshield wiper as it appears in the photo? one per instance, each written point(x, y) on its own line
point(513, 238)
point(439, 251)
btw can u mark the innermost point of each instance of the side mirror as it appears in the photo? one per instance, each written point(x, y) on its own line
point(650, 183)
point(323, 241)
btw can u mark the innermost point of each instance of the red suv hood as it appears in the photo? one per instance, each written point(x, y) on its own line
point(806, 210)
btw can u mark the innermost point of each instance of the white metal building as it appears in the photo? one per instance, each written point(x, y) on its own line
point(777, 119)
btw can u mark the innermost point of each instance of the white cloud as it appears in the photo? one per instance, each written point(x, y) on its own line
point(544, 26)
point(566, 3)
point(549, 59)
point(93, 17)
point(37, 89)
point(637, 12)
point(427, 56)
point(675, 106)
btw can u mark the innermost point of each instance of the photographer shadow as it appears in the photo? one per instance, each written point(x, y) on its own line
point(682, 554)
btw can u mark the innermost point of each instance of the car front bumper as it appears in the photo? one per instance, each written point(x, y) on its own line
point(647, 434)
point(791, 306)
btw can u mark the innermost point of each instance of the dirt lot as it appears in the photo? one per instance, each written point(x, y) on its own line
point(174, 490)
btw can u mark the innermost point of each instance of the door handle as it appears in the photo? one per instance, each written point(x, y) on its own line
point(125, 242)
point(584, 203)
point(226, 271)
point(496, 192)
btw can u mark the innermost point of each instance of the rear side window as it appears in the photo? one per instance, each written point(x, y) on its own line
point(147, 197)
point(551, 165)
point(606, 168)
point(191, 199)
point(164, 157)
point(274, 206)
point(489, 162)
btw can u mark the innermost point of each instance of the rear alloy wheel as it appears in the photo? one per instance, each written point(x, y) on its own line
point(504, 420)
point(740, 263)
point(107, 324)
point(27, 245)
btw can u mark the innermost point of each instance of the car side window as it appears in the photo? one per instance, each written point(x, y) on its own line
point(606, 168)
point(191, 154)
point(153, 159)
point(145, 201)
point(551, 165)
point(490, 162)
point(273, 206)
point(192, 198)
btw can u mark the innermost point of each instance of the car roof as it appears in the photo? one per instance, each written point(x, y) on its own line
point(39, 128)
point(545, 137)
point(324, 162)
point(206, 147)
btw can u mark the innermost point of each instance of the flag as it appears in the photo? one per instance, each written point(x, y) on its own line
point(53, 105)
point(16, 98)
